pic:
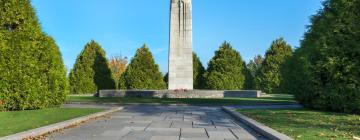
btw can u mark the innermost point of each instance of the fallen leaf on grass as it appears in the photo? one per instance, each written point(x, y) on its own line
point(356, 138)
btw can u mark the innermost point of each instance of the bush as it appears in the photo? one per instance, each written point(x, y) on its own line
point(91, 71)
point(33, 75)
point(326, 67)
point(142, 72)
point(269, 76)
point(225, 70)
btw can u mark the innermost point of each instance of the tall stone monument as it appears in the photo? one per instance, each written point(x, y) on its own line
point(180, 52)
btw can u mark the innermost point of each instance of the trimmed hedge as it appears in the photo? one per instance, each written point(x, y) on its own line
point(33, 75)
point(91, 71)
point(225, 70)
point(142, 72)
point(326, 68)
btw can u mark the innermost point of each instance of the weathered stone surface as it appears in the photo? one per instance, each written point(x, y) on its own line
point(223, 134)
point(193, 133)
point(181, 94)
point(130, 128)
point(180, 54)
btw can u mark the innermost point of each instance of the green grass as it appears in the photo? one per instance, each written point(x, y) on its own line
point(304, 124)
point(18, 121)
point(274, 99)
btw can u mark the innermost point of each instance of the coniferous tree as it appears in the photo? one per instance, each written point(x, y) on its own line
point(143, 73)
point(225, 70)
point(255, 64)
point(326, 67)
point(166, 79)
point(270, 77)
point(249, 78)
point(198, 73)
point(91, 71)
point(32, 74)
point(252, 69)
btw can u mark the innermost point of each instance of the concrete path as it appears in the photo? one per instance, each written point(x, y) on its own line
point(289, 106)
point(161, 123)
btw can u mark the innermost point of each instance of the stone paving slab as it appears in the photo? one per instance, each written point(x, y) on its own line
point(162, 123)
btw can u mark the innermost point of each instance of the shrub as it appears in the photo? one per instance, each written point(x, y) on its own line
point(269, 76)
point(91, 71)
point(142, 72)
point(33, 75)
point(225, 70)
point(326, 67)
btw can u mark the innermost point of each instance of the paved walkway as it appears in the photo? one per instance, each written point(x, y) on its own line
point(161, 123)
point(290, 106)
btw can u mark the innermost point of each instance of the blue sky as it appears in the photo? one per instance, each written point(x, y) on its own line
point(122, 26)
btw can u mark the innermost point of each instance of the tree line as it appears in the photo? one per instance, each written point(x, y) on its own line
point(323, 72)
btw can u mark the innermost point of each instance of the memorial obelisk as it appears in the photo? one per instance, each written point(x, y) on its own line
point(180, 52)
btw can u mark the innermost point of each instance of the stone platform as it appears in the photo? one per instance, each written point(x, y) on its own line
point(162, 123)
point(181, 94)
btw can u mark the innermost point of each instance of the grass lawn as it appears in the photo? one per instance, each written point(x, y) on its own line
point(303, 124)
point(275, 99)
point(18, 121)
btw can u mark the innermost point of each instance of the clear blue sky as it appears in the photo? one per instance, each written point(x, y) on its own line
point(122, 26)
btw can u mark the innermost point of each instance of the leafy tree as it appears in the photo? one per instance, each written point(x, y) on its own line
point(225, 70)
point(326, 67)
point(91, 71)
point(117, 65)
point(198, 73)
point(32, 75)
point(269, 76)
point(142, 72)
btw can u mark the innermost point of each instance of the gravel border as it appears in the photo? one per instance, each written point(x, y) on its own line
point(57, 126)
point(258, 127)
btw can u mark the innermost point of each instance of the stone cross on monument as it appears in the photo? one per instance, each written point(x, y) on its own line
point(180, 52)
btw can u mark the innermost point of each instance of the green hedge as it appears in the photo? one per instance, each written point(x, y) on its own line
point(225, 70)
point(91, 71)
point(32, 74)
point(326, 68)
point(142, 72)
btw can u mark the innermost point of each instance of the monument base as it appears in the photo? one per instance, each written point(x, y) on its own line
point(181, 94)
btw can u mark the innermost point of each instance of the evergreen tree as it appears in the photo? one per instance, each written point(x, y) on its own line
point(326, 67)
point(225, 70)
point(253, 68)
point(270, 77)
point(166, 79)
point(91, 71)
point(142, 72)
point(249, 78)
point(255, 64)
point(32, 74)
point(198, 72)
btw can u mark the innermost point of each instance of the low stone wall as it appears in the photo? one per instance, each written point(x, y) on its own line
point(181, 94)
